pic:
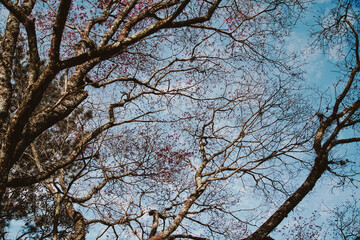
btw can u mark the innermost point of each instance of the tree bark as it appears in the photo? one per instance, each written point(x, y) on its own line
point(283, 211)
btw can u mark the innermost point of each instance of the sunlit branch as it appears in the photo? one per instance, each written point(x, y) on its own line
point(58, 29)
point(357, 52)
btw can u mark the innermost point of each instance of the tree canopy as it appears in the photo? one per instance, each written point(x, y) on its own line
point(170, 119)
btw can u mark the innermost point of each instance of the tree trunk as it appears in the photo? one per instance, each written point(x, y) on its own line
point(283, 211)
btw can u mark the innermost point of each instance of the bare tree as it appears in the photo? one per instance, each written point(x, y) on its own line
point(339, 116)
point(161, 119)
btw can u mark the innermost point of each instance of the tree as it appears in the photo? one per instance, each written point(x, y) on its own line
point(343, 224)
point(345, 220)
point(154, 119)
point(342, 114)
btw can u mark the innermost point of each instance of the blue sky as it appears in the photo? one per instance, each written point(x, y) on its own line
point(322, 73)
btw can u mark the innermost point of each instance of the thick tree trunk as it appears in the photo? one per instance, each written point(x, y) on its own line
point(8, 46)
point(3, 178)
point(78, 219)
point(283, 211)
point(79, 227)
point(4, 173)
